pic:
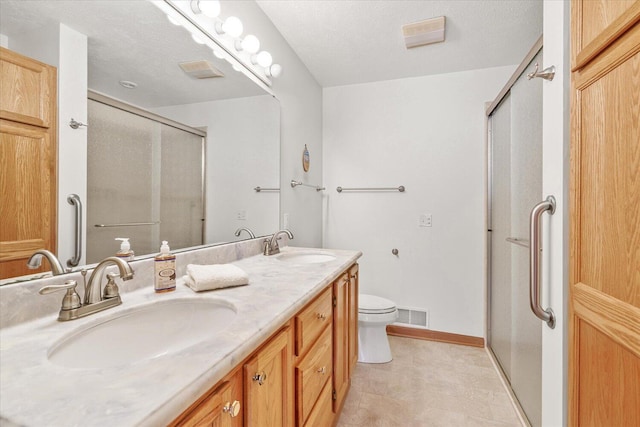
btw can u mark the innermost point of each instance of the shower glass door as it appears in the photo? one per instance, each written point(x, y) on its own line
point(515, 334)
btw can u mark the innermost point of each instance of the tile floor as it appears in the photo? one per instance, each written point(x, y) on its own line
point(428, 384)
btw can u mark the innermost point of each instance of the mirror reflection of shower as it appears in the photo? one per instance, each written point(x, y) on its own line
point(145, 182)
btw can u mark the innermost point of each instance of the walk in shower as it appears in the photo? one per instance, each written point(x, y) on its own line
point(144, 182)
point(515, 187)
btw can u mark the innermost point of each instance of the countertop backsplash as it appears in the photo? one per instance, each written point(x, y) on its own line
point(20, 302)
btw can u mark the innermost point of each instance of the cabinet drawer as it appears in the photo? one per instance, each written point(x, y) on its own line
point(321, 415)
point(312, 320)
point(312, 374)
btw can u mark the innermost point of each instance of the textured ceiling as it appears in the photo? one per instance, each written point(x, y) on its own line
point(356, 41)
point(129, 40)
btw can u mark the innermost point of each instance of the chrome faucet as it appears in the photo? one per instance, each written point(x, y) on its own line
point(271, 246)
point(35, 261)
point(73, 308)
point(249, 232)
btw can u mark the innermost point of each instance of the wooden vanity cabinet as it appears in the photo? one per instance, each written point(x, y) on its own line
point(268, 384)
point(300, 376)
point(221, 407)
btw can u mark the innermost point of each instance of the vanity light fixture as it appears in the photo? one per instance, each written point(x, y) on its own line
point(250, 44)
point(202, 19)
point(231, 26)
point(210, 8)
point(274, 70)
point(263, 59)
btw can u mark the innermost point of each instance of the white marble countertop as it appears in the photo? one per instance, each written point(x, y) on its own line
point(36, 392)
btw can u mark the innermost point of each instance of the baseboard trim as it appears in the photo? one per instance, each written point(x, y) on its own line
point(428, 334)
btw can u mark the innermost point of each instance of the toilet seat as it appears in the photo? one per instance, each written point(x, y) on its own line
point(371, 304)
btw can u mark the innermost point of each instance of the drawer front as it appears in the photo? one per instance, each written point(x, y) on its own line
point(321, 415)
point(312, 374)
point(312, 320)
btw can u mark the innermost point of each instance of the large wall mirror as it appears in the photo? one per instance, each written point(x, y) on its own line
point(184, 132)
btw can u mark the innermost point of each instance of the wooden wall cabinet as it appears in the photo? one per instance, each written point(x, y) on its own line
point(28, 161)
point(291, 379)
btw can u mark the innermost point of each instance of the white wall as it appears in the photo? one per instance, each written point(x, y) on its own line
point(242, 152)
point(425, 133)
point(300, 99)
point(555, 181)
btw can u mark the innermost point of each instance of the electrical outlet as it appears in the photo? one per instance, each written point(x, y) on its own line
point(285, 220)
point(241, 215)
point(424, 220)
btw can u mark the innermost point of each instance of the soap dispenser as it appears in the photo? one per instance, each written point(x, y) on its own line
point(125, 251)
point(165, 269)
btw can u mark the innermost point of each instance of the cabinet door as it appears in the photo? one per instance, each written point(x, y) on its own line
point(268, 384)
point(312, 374)
point(28, 188)
point(353, 318)
point(27, 90)
point(340, 340)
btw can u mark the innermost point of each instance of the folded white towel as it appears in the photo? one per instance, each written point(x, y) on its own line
point(215, 276)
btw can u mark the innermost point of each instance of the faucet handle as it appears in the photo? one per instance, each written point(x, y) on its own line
point(111, 289)
point(71, 300)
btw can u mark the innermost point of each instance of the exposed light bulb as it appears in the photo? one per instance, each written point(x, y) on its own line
point(274, 70)
point(218, 53)
point(237, 67)
point(251, 44)
point(232, 26)
point(263, 59)
point(173, 20)
point(196, 38)
point(210, 8)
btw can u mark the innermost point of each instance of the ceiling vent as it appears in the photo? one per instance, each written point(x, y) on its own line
point(424, 32)
point(200, 69)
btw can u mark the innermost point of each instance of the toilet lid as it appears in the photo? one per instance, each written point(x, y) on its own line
point(371, 304)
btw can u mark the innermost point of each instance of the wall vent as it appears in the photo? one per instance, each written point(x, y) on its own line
point(424, 32)
point(412, 316)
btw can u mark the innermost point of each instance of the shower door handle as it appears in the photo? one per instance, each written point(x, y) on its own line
point(534, 260)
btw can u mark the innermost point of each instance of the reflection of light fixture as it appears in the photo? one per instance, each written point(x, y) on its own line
point(210, 8)
point(263, 59)
point(196, 38)
point(173, 20)
point(274, 70)
point(128, 84)
point(250, 44)
point(231, 26)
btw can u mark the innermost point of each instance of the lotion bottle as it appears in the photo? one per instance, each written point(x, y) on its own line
point(165, 269)
point(125, 251)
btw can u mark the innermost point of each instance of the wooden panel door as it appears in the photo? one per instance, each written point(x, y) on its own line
point(604, 329)
point(28, 161)
point(340, 340)
point(268, 384)
point(28, 188)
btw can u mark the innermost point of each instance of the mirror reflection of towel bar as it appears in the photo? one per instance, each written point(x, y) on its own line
point(259, 189)
point(126, 224)
point(519, 242)
point(400, 189)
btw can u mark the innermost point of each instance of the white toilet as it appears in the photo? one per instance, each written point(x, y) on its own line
point(374, 314)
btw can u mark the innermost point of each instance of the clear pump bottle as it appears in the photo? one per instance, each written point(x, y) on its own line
point(165, 269)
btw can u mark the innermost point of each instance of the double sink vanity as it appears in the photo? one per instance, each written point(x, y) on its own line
point(278, 352)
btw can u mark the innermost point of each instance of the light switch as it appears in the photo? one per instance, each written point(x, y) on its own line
point(241, 215)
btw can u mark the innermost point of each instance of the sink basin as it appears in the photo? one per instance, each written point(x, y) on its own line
point(306, 257)
point(143, 333)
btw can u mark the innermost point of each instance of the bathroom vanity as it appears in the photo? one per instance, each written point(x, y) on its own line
point(285, 358)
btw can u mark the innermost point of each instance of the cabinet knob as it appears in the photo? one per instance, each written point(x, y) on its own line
point(322, 370)
point(353, 276)
point(322, 316)
point(233, 409)
point(261, 377)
